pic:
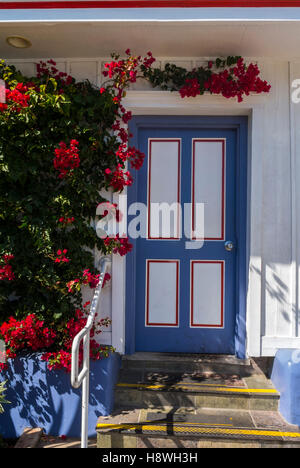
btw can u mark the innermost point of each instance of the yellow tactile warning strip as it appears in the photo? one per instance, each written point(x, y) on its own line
point(189, 386)
point(194, 430)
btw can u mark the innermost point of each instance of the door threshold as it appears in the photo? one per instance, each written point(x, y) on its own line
point(181, 357)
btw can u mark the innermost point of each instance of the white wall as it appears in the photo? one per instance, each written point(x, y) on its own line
point(274, 193)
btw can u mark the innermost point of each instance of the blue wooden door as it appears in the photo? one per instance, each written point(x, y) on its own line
point(185, 292)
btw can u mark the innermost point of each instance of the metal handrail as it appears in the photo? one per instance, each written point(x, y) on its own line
point(83, 377)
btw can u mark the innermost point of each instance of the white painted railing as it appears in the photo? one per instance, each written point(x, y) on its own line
point(83, 377)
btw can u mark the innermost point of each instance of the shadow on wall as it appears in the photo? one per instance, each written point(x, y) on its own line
point(43, 398)
point(275, 288)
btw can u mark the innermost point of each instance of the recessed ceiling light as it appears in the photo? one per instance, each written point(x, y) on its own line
point(18, 41)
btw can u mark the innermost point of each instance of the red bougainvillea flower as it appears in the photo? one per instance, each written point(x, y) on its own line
point(190, 89)
point(118, 179)
point(58, 360)
point(48, 69)
point(136, 157)
point(93, 280)
point(131, 154)
point(90, 279)
point(123, 135)
point(106, 279)
point(66, 159)
point(125, 71)
point(61, 256)
point(29, 333)
point(120, 245)
point(66, 221)
point(122, 72)
point(6, 272)
point(32, 334)
point(62, 359)
point(73, 285)
point(148, 60)
point(238, 81)
point(126, 117)
point(16, 99)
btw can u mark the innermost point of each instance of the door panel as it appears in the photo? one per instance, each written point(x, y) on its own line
point(208, 184)
point(163, 164)
point(162, 300)
point(185, 299)
point(207, 293)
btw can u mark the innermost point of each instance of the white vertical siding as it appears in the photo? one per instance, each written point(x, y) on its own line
point(279, 252)
point(276, 208)
point(295, 208)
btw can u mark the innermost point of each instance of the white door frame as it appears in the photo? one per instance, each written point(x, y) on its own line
point(166, 103)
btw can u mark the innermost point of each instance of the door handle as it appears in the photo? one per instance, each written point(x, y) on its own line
point(229, 246)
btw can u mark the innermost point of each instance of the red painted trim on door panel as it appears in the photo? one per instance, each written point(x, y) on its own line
point(177, 295)
point(151, 140)
point(192, 324)
point(223, 188)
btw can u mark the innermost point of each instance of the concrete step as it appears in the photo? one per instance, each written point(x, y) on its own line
point(202, 428)
point(173, 362)
point(250, 389)
point(197, 397)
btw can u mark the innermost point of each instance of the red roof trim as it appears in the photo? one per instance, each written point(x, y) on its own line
point(148, 4)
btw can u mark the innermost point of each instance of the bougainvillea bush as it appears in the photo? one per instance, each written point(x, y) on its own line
point(61, 143)
point(230, 78)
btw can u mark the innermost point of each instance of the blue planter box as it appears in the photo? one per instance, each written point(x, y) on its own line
point(43, 398)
